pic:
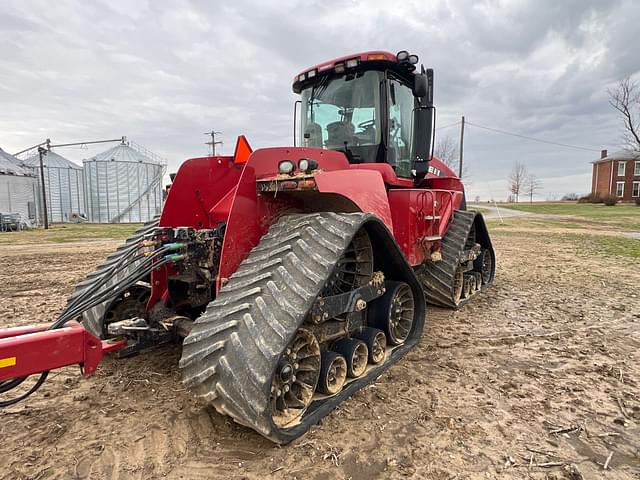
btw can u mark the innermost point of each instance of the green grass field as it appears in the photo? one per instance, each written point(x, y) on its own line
point(621, 216)
point(67, 232)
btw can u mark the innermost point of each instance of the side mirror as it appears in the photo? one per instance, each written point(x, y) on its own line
point(423, 87)
point(420, 86)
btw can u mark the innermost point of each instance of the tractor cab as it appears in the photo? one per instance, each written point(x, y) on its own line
point(371, 106)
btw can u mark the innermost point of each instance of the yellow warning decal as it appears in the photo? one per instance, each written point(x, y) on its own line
point(7, 362)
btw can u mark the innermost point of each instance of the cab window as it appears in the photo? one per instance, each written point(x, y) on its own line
point(401, 103)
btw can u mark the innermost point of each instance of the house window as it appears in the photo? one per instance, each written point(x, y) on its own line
point(636, 189)
point(621, 166)
point(636, 169)
point(620, 189)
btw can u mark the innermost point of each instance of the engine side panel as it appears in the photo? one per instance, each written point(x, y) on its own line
point(199, 185)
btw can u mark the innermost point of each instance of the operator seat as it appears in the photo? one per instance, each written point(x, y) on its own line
point(313, 135)
point(340, 132)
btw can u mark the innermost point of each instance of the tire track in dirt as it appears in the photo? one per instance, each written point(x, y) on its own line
point(465, 400)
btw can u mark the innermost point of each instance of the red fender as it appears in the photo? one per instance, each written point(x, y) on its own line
point(365, 188)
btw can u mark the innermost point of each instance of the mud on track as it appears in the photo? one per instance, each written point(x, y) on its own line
point(553, 347)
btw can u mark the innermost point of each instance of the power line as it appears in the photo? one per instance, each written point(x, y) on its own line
point(550, 142)
point(450, 125)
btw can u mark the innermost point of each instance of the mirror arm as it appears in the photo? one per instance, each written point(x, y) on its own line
point(295, 119)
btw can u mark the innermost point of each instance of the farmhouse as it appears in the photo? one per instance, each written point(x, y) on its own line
point(617, 174)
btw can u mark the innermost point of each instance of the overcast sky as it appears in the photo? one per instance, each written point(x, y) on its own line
point(164, 72)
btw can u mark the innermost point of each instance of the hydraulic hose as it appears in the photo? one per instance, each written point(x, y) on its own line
point(33, 389)
point(81, 303)
point(88, 300)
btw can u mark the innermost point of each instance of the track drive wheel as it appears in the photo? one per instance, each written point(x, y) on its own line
point(295, 378)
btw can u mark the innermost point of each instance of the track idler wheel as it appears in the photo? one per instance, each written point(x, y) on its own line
point(484, 264)
point(333, 373)
point(393, 312)
point(355, 353)
point(295, 378)
point(376, 342)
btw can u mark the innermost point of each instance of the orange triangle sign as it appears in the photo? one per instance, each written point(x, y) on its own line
point(243, 150)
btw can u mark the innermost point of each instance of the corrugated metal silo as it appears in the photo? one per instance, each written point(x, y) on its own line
point(64, 186)
point(123, 185)
point(17, 188)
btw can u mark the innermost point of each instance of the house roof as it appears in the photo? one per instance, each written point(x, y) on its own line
point(621, 155)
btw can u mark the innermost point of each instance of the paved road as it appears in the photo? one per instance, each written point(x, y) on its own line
point(492, 211)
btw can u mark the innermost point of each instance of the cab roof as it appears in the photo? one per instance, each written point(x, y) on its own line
point(375, 59)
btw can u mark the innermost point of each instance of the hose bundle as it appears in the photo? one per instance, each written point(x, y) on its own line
point(99, 293)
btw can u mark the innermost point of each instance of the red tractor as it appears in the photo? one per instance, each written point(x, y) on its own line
point(295, 275)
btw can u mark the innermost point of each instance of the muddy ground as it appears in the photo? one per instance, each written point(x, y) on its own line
point(538, 378)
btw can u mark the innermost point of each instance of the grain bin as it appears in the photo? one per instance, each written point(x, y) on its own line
point(123, 185)
point(64, 186)
point(17, 188)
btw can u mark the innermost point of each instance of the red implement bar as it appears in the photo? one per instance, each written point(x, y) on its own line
point(34, 349)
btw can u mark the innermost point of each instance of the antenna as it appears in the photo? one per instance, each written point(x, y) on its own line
point(213, 141)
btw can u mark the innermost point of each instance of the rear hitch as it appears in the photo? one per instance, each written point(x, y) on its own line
point(143, 337)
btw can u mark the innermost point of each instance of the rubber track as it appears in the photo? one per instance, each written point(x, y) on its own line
point(230, 355)
point(438, 277)
point(92, 319)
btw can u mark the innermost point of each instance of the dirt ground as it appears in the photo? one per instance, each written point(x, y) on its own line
point(538, 378)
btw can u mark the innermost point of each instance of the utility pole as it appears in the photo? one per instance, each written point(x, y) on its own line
point(213, 142)
point(42, 152)
point(461, 146)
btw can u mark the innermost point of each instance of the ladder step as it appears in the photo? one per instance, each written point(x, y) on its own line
point(432, 238)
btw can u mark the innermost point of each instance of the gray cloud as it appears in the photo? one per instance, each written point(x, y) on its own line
point(164, 72)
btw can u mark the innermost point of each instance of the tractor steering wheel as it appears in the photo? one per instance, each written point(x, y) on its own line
point(366, 124)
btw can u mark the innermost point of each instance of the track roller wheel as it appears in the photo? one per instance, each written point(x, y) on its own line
point(295, 378)
point(376, 342)
point(484, 265)
point(393, 312)
point(458, 286)
point(478, 280)
point(333, 373)
point(468, 285)
point(355, 353)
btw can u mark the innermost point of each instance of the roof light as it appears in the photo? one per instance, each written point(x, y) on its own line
point(353, 62)
point(311, 73)
point(413, 59)
point(339, 67)
point(302, 77)
point(402, 55)
point(376, 56)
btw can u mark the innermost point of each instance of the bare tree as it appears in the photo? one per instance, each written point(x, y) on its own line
point(532, 184)
point(625, 98)
point(517, 179)
point(447, 151)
